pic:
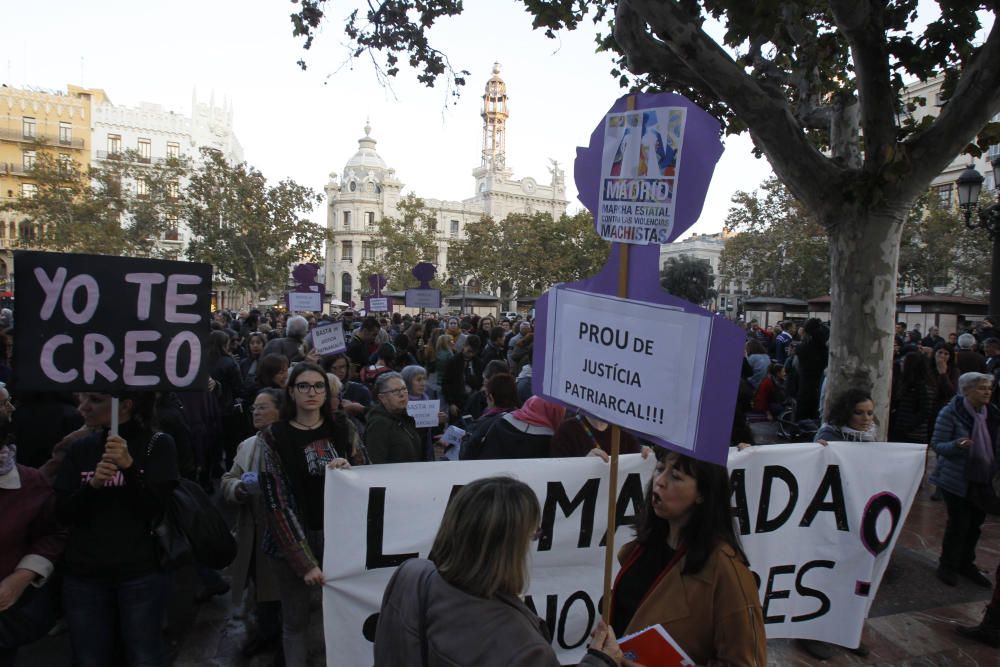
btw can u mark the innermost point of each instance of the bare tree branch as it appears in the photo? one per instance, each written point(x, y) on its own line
point(975, 102)
point(810, 175)
point(862, 24)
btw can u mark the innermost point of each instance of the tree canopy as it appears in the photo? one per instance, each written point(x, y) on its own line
point(688, 278)
point(122, 205)
point(523, 255)
point(400, 244)
point(250, 231)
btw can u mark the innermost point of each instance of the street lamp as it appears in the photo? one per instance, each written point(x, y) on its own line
point(970, 183)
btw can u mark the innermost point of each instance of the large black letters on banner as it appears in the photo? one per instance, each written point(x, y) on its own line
point(110, 324)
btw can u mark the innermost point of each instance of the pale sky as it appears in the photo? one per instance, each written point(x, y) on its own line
point(305, 125)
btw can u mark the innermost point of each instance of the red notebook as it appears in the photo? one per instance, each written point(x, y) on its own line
point(654, 647)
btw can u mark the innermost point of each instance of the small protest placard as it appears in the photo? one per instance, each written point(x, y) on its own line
point(639, 166)
point(305, 302)
point(618, 357)
point(423, 298)
point(424, 413)
point(329, 338)
point(378, 304)
point(107, 324)
point(654, 647)
point(453, 436)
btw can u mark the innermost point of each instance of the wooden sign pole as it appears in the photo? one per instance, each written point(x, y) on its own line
point(616, 438)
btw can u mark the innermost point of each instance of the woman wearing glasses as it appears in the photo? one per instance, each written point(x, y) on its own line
point(307, 439)
point(391, 435)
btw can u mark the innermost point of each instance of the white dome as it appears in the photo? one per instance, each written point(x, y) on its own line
point(366, 158)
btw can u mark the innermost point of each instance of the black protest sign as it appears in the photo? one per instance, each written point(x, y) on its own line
point(110, 324)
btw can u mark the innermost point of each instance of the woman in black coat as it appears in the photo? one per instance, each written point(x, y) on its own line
point(813, 355)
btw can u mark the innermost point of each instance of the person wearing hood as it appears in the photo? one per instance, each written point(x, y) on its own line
point(391, 435)
point(525, 433)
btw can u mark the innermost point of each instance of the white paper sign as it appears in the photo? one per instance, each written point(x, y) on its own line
point(423, 298)
point(424, 413)
point(639, 168)
point(329, 338)
point(818, 525)
point(378, 304)
point(305, 301)
point(610, 357)
point(453, 436)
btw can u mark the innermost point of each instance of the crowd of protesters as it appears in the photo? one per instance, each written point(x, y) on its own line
point(277, 414)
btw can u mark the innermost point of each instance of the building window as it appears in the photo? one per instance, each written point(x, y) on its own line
point(370, 219)
point(353, 186)
point(347, 251)
point(65, 164)
point(114, 144)
point(943, 194)
point(454, 228)
point(65, 133)
point(28, 127)
point(26, 230)
point(145, 150)
point(28, 190)
point(347, 219)
point(173, 190)
point(432, 226)
point(28, 160)
point(141, 187)
point(345, 288)
point(367, 251)
point(173, 149)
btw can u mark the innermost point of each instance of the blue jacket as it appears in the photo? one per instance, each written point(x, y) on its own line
point(953, 424)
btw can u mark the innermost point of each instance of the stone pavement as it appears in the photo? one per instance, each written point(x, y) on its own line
point(912, 622)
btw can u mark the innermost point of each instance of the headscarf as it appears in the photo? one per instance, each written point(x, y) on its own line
point(539, 412)
point(980, 468)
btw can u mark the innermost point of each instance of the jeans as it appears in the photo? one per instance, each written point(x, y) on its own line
point(295, 596)
point(96, 607)
point(961, 534)
point(28, 620)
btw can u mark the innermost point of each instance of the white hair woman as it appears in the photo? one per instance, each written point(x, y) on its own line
point(965, 441)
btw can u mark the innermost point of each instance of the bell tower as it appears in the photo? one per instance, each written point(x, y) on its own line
point(494, 115)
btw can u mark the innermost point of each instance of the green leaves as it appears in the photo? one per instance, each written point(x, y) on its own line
point(688, 278)
point(400, 244)
point(250, 231)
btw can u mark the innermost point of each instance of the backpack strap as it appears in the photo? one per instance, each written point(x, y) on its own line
point(149, 447)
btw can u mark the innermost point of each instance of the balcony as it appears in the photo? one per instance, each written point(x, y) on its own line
point(13, 169)
point(48, 140)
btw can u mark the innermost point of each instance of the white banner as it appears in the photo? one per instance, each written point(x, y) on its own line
point(818, 540)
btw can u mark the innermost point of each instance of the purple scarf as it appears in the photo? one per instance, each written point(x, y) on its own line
point(980, 466)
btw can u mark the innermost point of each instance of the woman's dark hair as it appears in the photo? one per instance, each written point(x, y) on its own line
point(711, 520)
point(276, 395)
point(951, 354)
point(916, 370)
point(259, 336)
point(269, 367)
point(842, 407)
point(143, 407)
point(503, 388)
point(218, 345)
point(289, 409)
point(774, 369)
point(402, 344)
point(755, 347)
point(494, 367)
point(387, 353)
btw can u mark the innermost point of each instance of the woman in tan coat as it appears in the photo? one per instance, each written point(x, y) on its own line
point(686, 570)
point(239, 486)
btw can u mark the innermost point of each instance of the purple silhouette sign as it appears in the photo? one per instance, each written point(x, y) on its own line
point(308, 293)
point(423, 296)
point(655, 365)
point(376, 303)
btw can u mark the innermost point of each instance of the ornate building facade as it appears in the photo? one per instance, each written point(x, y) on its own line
point(368, 189)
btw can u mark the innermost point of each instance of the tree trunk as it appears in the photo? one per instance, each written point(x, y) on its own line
point(864, 254)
